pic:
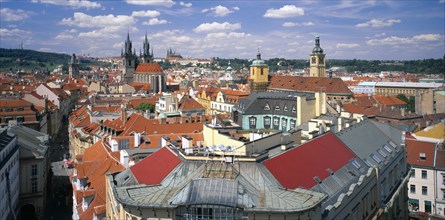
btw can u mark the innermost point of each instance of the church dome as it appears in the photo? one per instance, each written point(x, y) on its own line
point(258, 61)
point(317, 49)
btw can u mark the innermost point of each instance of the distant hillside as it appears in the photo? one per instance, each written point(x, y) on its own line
point(426, 66)
point(17, 59)
point(13, 59)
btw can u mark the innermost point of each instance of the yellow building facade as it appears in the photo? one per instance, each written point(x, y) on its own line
point(259, 75)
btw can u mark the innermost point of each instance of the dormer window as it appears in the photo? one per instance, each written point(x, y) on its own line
point(277, 108)
point(285, 108)
point(422, 156)
point(267, 107)
point(294, 110)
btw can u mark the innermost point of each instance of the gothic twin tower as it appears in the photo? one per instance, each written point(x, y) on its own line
point(131, 60)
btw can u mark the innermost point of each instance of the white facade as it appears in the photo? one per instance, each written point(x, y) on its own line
point(440, 192)
point(220, 106)
point(421, 188)
point(9, 171)
point(365, 88)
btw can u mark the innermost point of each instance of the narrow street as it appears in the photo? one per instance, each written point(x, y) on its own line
point(59, 188)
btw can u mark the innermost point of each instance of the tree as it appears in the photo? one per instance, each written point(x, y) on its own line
point(411, 101)
point(144, 106)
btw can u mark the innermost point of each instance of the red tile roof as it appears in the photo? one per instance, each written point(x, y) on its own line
point(298, 167)
point(13, 103)
point(413, 150)
point(149, 68)
point(309, 84)
point(188, 103)
point(154, 168)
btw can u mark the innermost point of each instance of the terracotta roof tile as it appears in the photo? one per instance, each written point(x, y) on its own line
point(154, 168)
point(298, 167)
point(149, 68)
point(188, 103)
point(413, 150)
point(309, 84)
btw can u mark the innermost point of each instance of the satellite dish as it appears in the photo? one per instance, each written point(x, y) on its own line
point(229, 149)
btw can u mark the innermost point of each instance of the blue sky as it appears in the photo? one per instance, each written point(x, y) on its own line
point(373, 29)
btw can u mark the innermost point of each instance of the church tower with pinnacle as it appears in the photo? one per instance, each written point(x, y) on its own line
point(317, 60)
point(129, 60)
point(146, 56)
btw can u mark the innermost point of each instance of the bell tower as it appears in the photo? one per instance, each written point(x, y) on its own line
point(259, 74)
point(317, 60)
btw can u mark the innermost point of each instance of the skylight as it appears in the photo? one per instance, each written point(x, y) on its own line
point(373, 156)
point(367, 163)
point(392, 144)
point(382, 153)
point(356, 164)
point(387, 148)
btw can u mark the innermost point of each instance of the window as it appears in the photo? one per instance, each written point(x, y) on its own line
point(413, 173)
point(262, 71)
point(422, 156)
point(387, 148)
point(373, 156)
point(427, 206)
point(276, 122)
point(20, 109)
point(20, 119)
point(284, 124)
point(285, 108)
point(292, 123)
point(267, 122)
point(9, 109)
point(267, 107)
point(392, 144)
point(34, 169)
point(424, 190)
point(382, 153)
point(367, 163)
point(443, 178)
point(356, 164)
point(277, 108)
point(294, 110)
point(424, 174)
point(412, 189)
point(34, 186)
point(252, 122)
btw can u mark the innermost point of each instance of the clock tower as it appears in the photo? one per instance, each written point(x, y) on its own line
point(317, 60)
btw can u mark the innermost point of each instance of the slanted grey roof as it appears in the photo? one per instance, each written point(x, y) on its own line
point(366, 138)
point(255, 103)
point(32, 143)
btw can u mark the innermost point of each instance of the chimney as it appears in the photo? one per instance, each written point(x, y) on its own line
point(137, 139)
point(124, 115)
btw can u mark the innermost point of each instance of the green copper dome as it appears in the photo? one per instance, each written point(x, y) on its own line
point(258, 61)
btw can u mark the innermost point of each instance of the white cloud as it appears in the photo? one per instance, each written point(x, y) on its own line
point(71, 3)
point(348, 46)
point(427, 37)
point(216, 27)
point(286, 11)
point(45, 49)
point(7, 14)
point(230, 35)
point(442, 1)
point(166, 3)
point(83, 20)
point(186, 4)
point(119, 45)
point(378, 23)
point(294, 24)
point(236, 8)
point(394, 40)
point(64, 36)
point(155, 21)
point(380, 35)
point(219, 11)
point(148, 13)
point(13, 32)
